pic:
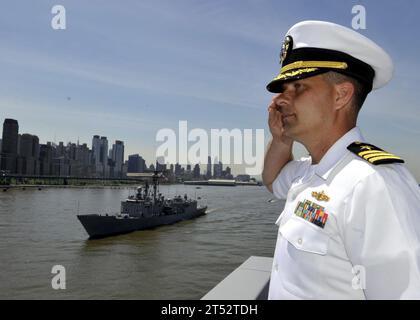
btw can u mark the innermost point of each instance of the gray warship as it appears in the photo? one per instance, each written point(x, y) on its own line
point(146, 209)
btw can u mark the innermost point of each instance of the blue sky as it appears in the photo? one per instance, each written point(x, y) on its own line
point(131, 68)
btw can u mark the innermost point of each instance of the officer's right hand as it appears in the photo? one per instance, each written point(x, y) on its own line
point(276, 125)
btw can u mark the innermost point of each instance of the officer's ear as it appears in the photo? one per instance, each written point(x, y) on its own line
point(343, 94)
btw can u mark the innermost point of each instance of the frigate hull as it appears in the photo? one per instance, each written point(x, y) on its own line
point(99, 226)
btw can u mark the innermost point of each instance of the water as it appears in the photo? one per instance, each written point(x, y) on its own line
point(39, 229)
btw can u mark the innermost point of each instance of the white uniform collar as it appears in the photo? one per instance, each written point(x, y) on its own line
point(337, 152)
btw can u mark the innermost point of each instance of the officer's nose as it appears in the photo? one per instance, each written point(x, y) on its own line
point(281, 101)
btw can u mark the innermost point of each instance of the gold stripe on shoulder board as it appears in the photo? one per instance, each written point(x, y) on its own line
point(372, 160)
point(373, 154)
point(368, 156)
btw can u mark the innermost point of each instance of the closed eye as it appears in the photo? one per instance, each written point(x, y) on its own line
point(297, 86)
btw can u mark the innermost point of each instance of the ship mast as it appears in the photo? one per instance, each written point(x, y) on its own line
point(155, 182)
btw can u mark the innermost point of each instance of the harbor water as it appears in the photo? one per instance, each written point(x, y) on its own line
point(39, 229)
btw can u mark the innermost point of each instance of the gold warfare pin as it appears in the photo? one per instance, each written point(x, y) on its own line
point(320, 196)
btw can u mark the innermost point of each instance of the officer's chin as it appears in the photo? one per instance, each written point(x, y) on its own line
point(290, 132)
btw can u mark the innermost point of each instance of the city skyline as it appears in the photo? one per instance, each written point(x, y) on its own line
point(129, 70)
point(78, 143)
point(25, 154)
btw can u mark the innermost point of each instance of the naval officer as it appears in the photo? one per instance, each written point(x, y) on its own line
point(350, 228)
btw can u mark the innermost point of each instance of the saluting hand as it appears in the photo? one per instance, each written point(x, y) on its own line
point(276, 125)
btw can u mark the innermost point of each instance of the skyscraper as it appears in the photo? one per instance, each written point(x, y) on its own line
point(160, 164)
point(104, 157)
point(46, 158)
point(196, 171)
point(96, 149)
point(178, 169)
point(9, 148)
point(28, 159)
point(117, 156)
point(100, 155)
point(208, 174)
point(217, 169)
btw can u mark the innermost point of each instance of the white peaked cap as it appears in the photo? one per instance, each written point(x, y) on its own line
point(314, 47)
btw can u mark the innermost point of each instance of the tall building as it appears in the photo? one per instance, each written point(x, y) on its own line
point(46, 154)
point(96, 149)
point(160, 164)
point(117, 156)
point(100, 156)
point(142, 165)
point(75, 166)
point(72, 151)
point(196, 171)
point(208, 174)
point(133, 163)
point(217, 169)
point(83, 155)
point(61, 166)
point(104, 157)
point(61, 149)
point(227, 174)
point(28, 155)
point(136, 164)
point(9, 148)
point(178, 169)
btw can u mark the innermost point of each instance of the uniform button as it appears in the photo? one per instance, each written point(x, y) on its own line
point(276, 267)
point(300, 241)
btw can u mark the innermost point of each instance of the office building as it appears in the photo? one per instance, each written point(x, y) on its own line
point(9, 148)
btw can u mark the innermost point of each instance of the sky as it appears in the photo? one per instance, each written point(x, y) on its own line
point(127, 69)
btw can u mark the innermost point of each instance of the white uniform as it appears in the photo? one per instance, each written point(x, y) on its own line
point(349, 229)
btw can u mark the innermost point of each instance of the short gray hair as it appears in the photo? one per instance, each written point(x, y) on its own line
point(360, 92)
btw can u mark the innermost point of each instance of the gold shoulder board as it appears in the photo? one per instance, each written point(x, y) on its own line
point(373, 154)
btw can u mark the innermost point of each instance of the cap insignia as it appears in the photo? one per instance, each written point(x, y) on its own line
point(286, 47)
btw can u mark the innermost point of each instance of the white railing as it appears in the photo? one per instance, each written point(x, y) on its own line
point(249, 281)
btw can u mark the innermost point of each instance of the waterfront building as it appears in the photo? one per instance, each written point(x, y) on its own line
point(9, 148)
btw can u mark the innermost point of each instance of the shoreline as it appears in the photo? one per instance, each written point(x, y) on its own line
point(43, 186)
point(5, 188)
